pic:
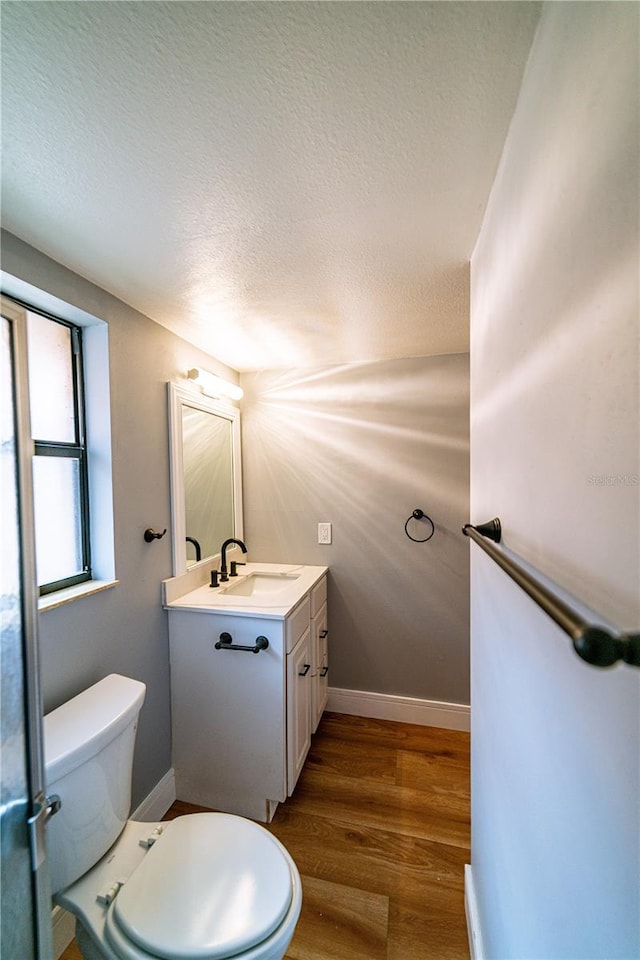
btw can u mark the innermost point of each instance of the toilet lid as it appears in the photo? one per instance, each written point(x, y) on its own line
point(212, 886)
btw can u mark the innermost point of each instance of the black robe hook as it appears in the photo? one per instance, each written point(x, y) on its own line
point(150, 535)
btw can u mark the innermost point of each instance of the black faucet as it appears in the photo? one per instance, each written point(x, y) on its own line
point(223, 556)
point(196, 546)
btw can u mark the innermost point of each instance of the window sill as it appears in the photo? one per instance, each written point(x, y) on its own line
point(60, 597)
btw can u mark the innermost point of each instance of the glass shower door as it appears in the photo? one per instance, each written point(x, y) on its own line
point(25, 906)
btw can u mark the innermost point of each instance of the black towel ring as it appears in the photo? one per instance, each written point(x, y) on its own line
point(419, 514)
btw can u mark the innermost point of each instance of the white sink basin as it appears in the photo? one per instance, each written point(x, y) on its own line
point(264, 585)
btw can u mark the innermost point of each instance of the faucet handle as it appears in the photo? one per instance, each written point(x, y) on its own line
point(214, 578)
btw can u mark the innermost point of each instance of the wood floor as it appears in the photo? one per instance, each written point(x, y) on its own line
point(379, 828)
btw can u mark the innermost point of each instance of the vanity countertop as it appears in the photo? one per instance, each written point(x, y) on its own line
point(260, 590)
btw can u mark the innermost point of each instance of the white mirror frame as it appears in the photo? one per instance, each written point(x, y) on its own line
point(180, 396)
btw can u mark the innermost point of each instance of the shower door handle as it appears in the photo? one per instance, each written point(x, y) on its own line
point(44, 809)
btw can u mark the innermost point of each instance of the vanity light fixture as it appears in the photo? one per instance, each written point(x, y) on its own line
point(213, 385)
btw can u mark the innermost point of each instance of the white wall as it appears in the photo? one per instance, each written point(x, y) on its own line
point(554, 453)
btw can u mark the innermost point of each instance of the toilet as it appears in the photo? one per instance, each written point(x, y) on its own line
point(207, 886)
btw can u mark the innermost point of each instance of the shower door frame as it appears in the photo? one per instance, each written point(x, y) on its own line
point(26, 914)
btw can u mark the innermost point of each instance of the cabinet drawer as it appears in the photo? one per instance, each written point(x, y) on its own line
point(319, 638)
point(318, 596)
point(296, 623)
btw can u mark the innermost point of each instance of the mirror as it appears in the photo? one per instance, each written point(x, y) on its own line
point(206, 491)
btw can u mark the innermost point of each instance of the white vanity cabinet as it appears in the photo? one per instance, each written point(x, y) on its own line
point(242, 721)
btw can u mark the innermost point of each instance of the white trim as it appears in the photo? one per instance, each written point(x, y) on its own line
point(64, 930)
point(155, 805)
point(474, 930)
point(385, 706)
point(86, 589)
point(180, 396)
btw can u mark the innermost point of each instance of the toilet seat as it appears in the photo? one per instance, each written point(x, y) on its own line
point(212, 886)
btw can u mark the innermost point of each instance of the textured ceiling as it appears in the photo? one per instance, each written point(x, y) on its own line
point(279, 183)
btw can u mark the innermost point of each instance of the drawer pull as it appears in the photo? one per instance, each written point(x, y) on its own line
point(323, 634)
point(304, 672)
point(225, 643)
point(324, 671)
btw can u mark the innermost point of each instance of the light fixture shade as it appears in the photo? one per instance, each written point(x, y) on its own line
point(213, 385)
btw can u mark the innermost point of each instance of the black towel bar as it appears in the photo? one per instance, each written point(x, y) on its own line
point(597, 645)
point(225, 643)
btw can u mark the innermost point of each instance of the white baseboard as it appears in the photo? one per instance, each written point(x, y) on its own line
point(384, 706)
point(474, 931)
point(64, 930)
point(155, 805)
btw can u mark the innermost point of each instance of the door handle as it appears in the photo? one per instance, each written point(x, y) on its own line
point(44, 808)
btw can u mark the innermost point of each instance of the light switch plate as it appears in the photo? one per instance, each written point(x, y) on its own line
point(324, 533)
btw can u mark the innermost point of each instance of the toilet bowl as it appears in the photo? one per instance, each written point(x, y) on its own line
point(210, 886)
point(206, 886)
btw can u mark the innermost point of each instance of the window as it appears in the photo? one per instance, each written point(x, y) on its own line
point(60, 476)
point(68, 358)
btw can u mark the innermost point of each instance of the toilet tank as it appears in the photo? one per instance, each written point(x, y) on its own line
point(88, 757)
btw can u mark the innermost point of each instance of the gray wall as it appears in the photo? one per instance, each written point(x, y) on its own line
point(554, 452)
point(123, 629)
point(360, 446)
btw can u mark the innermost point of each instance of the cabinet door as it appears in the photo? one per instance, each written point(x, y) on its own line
point(298, 708)
point(323, 676)
point(228, 713)
point(320, 680)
